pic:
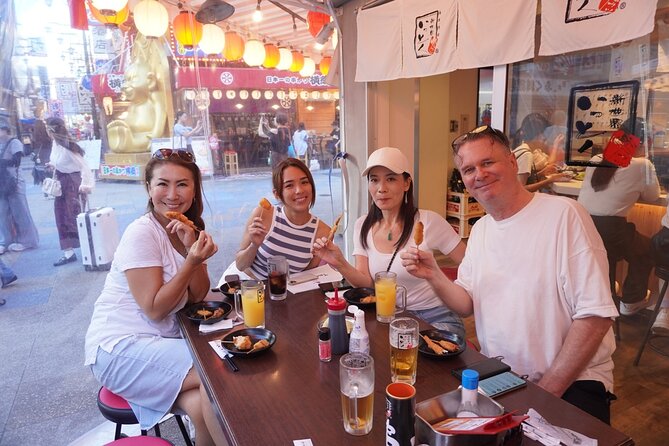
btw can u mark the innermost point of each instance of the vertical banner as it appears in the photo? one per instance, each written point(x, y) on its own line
point(379, 55)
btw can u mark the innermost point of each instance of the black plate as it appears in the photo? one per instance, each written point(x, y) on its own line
point(354, 295)
point(191, 311)
point(256, 334)
point(437, 335)
point(225, 288)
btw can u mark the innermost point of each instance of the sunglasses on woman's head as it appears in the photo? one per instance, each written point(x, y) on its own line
point(183, 155)
point(478, 132)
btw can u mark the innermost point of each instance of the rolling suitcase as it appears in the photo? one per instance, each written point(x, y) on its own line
point(99, 237)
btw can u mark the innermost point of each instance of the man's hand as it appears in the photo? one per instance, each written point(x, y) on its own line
point(421, 264)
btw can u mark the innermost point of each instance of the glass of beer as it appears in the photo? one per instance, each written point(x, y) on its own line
point(277, 275)
point(250, 303)
point(388, 303)
point(356, 384)
point(403, 350)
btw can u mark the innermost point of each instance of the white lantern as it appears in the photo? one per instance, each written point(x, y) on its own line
point(315, 95)
point(256, 94)
point(190, 95)
point(292, 95)
point(243, 94)
point(309, 67)
point(326, 95)
point(151, 18)
point(217, 94)
point(285, 59)
point(213, 39)
point(280, 94)
point(269, 94)
point(304, 95)
point(230, 94)
point(109, 7)
point(335, 94)
point(254, 53)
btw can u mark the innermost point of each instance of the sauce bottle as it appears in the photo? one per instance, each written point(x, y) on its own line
point(337, 324)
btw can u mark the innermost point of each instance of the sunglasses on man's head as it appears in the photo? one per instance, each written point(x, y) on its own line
point(183, 155)
point(478, 132)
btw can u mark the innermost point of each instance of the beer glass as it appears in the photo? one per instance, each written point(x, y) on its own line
point(388, 303)
point(277, 275)
point(250, 303)
point(403, 350)
point(356, 384)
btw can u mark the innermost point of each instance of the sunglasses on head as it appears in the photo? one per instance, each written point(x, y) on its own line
point(183, 155)
point(478, 132)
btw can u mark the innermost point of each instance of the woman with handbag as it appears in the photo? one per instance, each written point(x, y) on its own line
point(76, 180)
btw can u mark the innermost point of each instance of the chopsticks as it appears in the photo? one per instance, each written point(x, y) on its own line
point(230, 363)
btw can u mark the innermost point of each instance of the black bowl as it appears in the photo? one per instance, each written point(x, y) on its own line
point(354, 295)
point(438, 335)
point(256, 334)
point(192, 310)
point(229, 288)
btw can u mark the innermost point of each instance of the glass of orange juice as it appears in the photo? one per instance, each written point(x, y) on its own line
point(250, 303)
point(387, 301)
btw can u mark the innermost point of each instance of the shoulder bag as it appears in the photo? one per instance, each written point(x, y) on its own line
point(51, 186)
point(8, 182)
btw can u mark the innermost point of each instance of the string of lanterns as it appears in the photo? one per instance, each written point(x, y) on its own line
point(267, 94)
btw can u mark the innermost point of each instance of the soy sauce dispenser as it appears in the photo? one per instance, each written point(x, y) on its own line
point(337, 324)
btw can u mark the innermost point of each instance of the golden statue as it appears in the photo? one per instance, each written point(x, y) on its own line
point(147, 89)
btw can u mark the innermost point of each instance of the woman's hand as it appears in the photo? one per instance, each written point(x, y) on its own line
point(185, 233)
point(421, 264)
point(203, 248)
point(328, 252)
point(85, 189)
point(257, 231)
point(550, 169)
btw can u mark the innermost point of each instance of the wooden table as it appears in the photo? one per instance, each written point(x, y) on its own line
point(287, 394)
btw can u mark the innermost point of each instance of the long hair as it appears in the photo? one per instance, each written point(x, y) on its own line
point(62, 136)
point(277, 177)
point(194, 213)
point(531, 128)
point(408, 212)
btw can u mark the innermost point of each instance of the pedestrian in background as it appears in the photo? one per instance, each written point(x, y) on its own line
point(183, 133)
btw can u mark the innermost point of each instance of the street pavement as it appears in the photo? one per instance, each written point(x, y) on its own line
point(47, 396)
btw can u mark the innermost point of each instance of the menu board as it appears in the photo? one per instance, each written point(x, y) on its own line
point(596, 112)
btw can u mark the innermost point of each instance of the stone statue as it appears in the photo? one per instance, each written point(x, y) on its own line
point(147, 89)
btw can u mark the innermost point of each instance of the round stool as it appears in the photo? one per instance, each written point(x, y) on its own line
point(662, 273)
point(117, 410)
point(140, 441)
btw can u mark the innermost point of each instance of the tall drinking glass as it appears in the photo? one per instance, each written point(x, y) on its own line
point(250, 303)
point(356, 383)
point(403, 350)
point(388, 303)
point(277, 275)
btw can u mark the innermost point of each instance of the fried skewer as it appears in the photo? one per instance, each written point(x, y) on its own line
point(172, 215)
point(264, 205)
point(433, 345)
point(418, 233)
point(334, 228)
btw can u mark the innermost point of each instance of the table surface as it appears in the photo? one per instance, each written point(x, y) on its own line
point(287, 393)
point(573, 188)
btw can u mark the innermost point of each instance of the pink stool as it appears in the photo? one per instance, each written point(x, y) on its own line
point(140, 441)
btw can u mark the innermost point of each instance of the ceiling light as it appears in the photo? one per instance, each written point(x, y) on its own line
point(325, 33)
point(310, 107)
point(257, 14)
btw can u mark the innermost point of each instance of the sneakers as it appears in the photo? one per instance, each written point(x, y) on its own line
point(16, 247)
point(661, 324)
point(13, 279)
point(64, 260)
point(634, 307)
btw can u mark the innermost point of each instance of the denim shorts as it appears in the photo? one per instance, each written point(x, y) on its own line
point(441, 318)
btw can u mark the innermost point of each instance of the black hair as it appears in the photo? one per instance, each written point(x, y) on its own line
point(178, 115)
point(62, 136)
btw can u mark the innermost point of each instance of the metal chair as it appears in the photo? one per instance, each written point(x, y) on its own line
point(613, 262)
point(661, 273)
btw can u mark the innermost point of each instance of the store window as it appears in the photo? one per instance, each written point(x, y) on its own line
point(484, 97)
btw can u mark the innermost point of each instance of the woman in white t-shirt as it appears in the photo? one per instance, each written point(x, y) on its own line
point(133, 344)
point(387, 229)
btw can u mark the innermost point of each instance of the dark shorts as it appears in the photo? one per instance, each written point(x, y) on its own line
point(591, 397)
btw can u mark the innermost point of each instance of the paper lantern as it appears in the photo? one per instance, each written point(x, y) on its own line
point(256, 94)
point(151, 18)
point(316, 21)
point(217, 94)
point(243, 94)
point(292, 95)
point(309, 67)
point(234, 46)
point(187, 30)
point(109, 7)
point(269, 95)
point(189, 94)
point(280, 94)
point(304, 95)
point(326, 95)
point(285, 59)
point(213, 39)
point(272, 56)
point(298, 62)
point(316, 95)
point(230, 94)
point(335, 95)
point(254, 53)
point(113, 20)
point(324, 66)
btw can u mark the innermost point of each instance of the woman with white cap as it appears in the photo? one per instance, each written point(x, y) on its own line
point(387, 229)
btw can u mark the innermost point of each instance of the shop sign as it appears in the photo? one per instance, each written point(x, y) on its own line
point(67, 93)
point(108, 84)
point(126, 171)
point(251, 78)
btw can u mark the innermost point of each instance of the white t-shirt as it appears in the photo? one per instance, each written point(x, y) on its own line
point(530, 276)
point(629, 184)
point(117, 315)
point(523, 155)
point(438, 234)
point(300, 142)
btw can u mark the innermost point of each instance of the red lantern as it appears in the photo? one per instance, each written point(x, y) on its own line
point(187, 30)
point(324, 65)
point(234, 46)
point(271, 56)
point(298, 62)
point(113, 20)
point(316, 21)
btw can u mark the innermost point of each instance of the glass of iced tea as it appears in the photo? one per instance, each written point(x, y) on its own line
point(403, 350)
point(250, 303)
point(277, 276)
point(388, 303)
point(356, 384)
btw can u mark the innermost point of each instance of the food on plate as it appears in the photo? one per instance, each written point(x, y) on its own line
point(438, 349)
point(418, 233)
point(450, 346)
point(368, 299)
point(172, 215)
point(242, 342)
point(265, 204)
point(207, 314)
point(334, 228)
point(204, 312)
point(263, 343)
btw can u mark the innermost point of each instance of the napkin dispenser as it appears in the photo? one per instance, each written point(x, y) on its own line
point(444, 406)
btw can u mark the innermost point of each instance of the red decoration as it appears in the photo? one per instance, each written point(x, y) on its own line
point(234, 46)
point(78, 17)
point(114, 20)
point(316, 21)
point(324, 65)
point(271, 56)
point(620, 148)
point(187, 30)
point(298, 62)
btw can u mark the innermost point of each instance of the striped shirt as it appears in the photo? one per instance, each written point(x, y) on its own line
point(286, 239)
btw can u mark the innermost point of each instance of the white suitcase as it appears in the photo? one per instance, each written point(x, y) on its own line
point(99, 237)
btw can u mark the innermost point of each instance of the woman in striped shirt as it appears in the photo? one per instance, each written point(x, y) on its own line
point(288, 229)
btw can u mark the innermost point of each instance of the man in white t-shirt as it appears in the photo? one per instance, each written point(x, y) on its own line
point(534, 275)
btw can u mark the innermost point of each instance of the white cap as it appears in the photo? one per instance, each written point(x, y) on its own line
point(388, 157)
